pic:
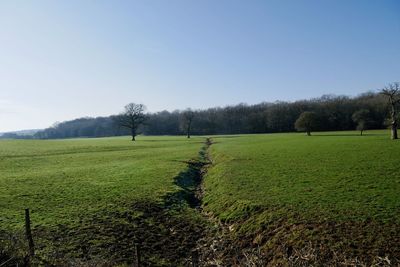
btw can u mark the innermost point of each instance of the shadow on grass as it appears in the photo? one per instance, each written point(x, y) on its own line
point(226, 136)
point(347, 135)
point(189, 181)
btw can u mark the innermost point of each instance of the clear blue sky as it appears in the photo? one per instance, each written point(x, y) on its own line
point(66, 59)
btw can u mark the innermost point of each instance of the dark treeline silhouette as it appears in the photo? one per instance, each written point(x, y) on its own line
point(333, 113)
point(84, 127)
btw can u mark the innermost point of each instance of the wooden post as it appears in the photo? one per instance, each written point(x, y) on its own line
point(195, 258)
point(137, 256)
point(29, 233)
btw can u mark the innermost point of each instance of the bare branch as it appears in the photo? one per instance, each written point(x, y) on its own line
point(132, 117)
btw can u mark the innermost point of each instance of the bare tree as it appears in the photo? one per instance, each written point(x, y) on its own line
point(307, 122)
point(363, 119)
point(392, 92)
point(186, 121)
point(132, 117)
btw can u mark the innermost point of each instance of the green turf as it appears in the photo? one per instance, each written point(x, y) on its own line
point(337, 192)
point(62, 180)
point(337, 189)
point(337, 175)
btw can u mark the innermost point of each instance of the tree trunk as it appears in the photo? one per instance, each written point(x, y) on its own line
point(137, 262)
point(394, 131)
point(361, 132)
point(133, 134)
point(188, 131)
point(308, 133)
point(394, 122)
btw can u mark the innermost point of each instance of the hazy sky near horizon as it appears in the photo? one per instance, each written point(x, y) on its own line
point(66, 59)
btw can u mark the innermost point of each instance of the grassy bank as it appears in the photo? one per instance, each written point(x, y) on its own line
point(334, 192)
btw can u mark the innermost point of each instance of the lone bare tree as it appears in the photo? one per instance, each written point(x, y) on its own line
point(392, 92)
point(186, 121)
point(307, 122)
point(363, 119)
point(132, 117)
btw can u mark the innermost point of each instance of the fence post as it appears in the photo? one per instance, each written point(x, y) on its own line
point(195, 258)
point(137, 262)
point(29, 233)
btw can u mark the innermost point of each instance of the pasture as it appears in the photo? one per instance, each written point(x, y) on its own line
point(287, 195)
point(338, 190)
point(84, 190)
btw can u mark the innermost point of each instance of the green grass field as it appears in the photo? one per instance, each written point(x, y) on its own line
point(90, 190)
point(60, 180)
point(337, 189)
point(333, 192)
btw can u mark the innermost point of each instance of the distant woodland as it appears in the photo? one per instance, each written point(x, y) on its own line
point(333, 113)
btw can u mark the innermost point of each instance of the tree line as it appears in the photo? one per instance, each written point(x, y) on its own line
point(329, 113)
point(332, 112)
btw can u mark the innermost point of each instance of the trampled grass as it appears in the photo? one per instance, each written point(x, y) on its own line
point(287, 189)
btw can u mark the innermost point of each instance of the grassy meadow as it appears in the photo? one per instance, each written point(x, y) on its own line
point(336, 189)
point(333, 192)
point(76, 186)
point(60, 180)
